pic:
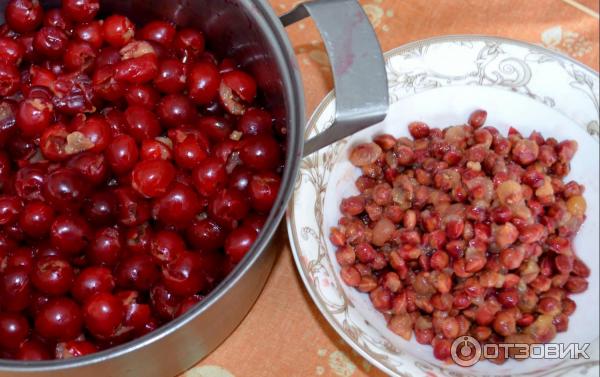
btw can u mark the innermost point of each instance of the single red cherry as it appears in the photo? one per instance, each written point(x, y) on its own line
point(164, 303)
point(23, 15)
point(227, 207)
point(74, 94)
point(166, 246)
point(14, 231)
point(11, 51)
point(50, 41)
point(34, 116)
point(79, 56)
point(142, 123)
point(29, 182)
point(53, 142)
point(14, 329)
point(237, 89)
point(172, 76)
point(142, 95)
point(91, 32)
point(15, 289)
point(203, 82)
point(103, 314)
point(260, 152)
point(175, 109)
point(188, 304)
point(150, 325)
point(137, 70)
point(137, 313)
point(178, 207)
point(10, 208)
point(216, 128)
point(158, 149)
point(205, 235)
point(184, 275)
point(36, 219)
point(40, 77)
point(138, 271)
point(81, 10)
point(209, 176)
point(116, 121)
point(94, 132)
point(70, 234)
point(108, 56)
point(52, 276)
point(263, 191)
point(255, 221)
point(21, 148)
point(189, 44)
point(139, 238)
point(91, 166)
point(21, 257)
point(106, 248)
point(152, 178)
point(122, 154)
point(105, 85)
point(65, 189)
point(60, 319)
point(57, 18)
point(92, 280)
point(118, 30)
point(256, 122)
point(132, 208)
point(160, 32)
point(101, 208)
point(239, 242)
point(240, 178)
point(190, 152)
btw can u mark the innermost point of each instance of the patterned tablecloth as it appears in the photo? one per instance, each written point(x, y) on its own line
point(284, 334)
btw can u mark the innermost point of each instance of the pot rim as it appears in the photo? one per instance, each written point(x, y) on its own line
point(285, 58)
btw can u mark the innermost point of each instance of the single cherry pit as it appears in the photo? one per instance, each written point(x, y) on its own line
point(464, 231)
point(136, 171)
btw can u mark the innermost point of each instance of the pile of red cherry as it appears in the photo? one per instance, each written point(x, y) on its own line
point(136, 169)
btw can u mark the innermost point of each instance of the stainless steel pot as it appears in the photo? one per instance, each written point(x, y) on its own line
point(249, 31)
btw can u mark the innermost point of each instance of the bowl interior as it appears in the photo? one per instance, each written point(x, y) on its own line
point(447, 106)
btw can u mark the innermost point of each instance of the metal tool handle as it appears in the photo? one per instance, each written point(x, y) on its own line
point(358, 67)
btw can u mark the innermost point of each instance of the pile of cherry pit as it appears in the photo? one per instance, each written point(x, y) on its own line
point(464, 231)
point(136, 169)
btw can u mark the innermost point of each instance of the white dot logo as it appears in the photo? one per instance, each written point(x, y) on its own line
point(465, 351)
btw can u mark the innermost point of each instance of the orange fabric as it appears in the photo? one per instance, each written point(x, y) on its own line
point(284, 334)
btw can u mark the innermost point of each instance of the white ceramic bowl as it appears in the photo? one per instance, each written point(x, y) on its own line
point(441, 81)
